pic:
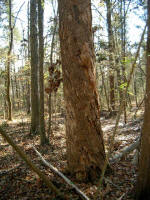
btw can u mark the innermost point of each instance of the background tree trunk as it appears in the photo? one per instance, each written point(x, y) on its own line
point(28, 81)
point(43, 138)
point(34, 68)
point(8, 63)
point(123, 49)
point(51, 63)
point(85, 148)
point(111, 49)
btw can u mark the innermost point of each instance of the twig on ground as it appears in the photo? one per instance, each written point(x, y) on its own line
point(4, 172)
point(109, 181)
point(121, 196)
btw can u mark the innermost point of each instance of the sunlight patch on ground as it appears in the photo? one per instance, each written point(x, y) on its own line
point(109, 127)
point(125, 139)
point(18, 121)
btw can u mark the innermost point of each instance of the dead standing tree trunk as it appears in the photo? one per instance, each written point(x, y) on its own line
point(85, 148)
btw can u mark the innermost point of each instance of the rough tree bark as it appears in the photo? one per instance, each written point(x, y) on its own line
point(84, 137)
point(43, 139)
point(143, 181)
point(34, 68)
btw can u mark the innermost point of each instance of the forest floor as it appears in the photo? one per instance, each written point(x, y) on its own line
point(23, 184)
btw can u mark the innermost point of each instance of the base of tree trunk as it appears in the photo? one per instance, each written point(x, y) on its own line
point(91, 175)
point(144, 195)
point(44, 141)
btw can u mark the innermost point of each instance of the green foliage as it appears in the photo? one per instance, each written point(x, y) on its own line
point(4, 124)
point(42, 3)
point(130, 93)
point(2, 73)
point(123, 85)
point(127, 60)
point(17, 35)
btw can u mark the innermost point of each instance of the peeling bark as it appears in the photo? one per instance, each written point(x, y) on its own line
point(85, 148)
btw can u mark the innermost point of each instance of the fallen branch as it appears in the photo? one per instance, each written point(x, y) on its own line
point(28, 161)
point(121, 196)
point(55, 170)
point(109, 181)
point(125, 151)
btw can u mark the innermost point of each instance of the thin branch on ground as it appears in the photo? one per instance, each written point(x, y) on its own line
point(55, 170)
point(6, 171)
point(32, 166)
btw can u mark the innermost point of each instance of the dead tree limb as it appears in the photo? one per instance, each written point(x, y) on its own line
point(125, 151)
point(32, 166)
point(55, 170)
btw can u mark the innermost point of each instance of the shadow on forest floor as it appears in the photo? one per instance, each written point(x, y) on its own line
point(23, 184)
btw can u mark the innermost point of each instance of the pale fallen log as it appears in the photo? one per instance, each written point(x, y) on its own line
point(125, 151)
point(55, 170)
point(32, 166)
